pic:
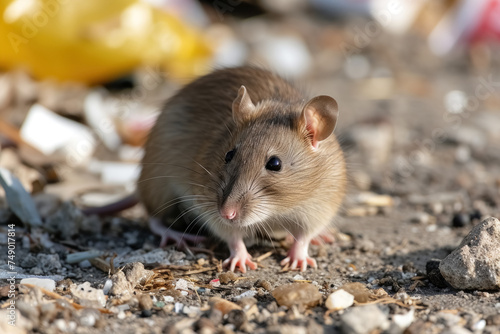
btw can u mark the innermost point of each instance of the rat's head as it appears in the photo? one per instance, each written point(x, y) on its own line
point(276, 157)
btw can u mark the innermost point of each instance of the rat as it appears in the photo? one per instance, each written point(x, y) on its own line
point(241, 152)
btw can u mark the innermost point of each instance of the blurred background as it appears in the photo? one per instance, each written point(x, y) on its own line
point(417, 82)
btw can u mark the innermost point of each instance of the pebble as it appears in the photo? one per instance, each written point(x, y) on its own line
point(474, 264)
point(460, 220)
point(297, 294)
point(87, 295)
point(372, 319)
point(222, 305)
point(339, 300)
point(456, 330)
point(434, 274)
point(421, 218)
point(246, 294)
point(236, 317)
point(121, 286)
point(136, 274)
point(493, 320)
point(404, 321)
point(145, 302)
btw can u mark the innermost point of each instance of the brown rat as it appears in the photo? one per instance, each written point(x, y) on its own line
point(242, 152)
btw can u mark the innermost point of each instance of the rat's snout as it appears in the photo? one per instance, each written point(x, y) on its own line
point(228, 211)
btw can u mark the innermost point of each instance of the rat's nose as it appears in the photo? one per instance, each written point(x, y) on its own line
point(228, 212)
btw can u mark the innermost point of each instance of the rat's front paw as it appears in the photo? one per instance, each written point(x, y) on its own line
point(299, 262)
point(240, 260)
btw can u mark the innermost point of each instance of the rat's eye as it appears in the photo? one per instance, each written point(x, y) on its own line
point(229, 156)
point(274, 164)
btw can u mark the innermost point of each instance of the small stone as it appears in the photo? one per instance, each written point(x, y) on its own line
point(297, 294)
point(88, 317)
point(363, 320)
point(146, 313)
point(456, 330)
point(145, 302)
point(222, 305)
point(404, 321)
point(264, 284)
point(339, 300)
point(434, 274)
point(474, 265)
point(87, 295)
point(460, 220)
point(227, 277)
point(66, 221)
point(360, 292)
point(420, 218)
point(136, 274)
point(493, 320)
point(121, 286)
point(236, 317)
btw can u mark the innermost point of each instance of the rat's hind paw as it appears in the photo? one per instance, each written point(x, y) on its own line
point(240, 260)
point(299, 263)
point(167, 234)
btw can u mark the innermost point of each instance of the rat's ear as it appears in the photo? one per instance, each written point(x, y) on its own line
point(243, 108)
point(320, 116)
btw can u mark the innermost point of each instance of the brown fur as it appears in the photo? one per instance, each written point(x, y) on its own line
point(184, 158)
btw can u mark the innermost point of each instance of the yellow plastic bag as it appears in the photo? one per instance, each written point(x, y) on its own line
point(94, 41)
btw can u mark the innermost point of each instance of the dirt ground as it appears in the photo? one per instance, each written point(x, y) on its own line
point(430, 165)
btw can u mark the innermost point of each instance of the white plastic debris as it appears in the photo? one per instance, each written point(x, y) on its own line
point(249, 293)
point(97, 116)
point(404, 320)
point(339, 300)
point(178, 307)
point(107, 286)
point(49, 132)
point(45, 283)
point(115, 172)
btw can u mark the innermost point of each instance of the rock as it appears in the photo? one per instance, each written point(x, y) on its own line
point(297, 294)
point(236, 317)
point(145, 302)
point(404, 321)
point(88, 296)
point(136, 274)
point(475, 264)
point(339, 300)
point(121, 286)
point(456, 330)
point(434, 274)
point(363, 319)
point(29, 261)
point(222, 305)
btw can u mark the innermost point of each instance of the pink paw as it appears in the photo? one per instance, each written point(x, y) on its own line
point(240, 260)
point(325, 237)
point(299, 262)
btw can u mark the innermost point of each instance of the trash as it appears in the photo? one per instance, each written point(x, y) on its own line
point(51, 133)
point(20, 202)
point(105, 40)
point(46, 283)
